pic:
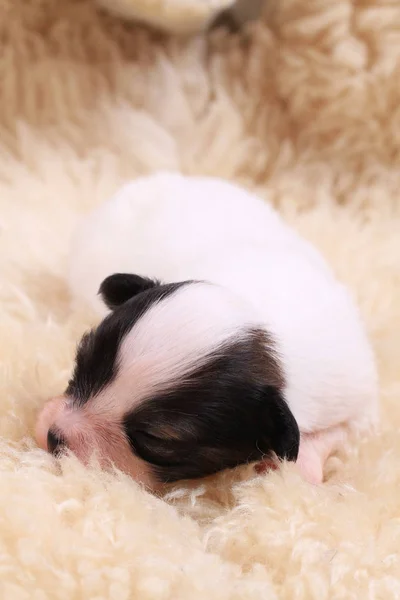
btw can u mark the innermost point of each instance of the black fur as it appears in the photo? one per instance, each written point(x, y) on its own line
point(120, 287)
point(223, 415)
point(96, 358)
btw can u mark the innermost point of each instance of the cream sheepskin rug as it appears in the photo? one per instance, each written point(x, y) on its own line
point(305, 110)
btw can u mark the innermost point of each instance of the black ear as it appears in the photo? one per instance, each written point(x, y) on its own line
point(282, 430)
point(211, 434)
point(120, 287)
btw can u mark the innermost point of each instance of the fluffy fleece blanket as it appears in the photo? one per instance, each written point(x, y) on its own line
point(305, 110)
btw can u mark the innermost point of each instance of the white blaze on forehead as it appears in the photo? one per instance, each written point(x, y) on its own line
point(171, 339)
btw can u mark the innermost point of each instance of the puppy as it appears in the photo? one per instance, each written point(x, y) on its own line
point(225, 339)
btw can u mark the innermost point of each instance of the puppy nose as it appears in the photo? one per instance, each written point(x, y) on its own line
point(55, 442)
point(45, 425)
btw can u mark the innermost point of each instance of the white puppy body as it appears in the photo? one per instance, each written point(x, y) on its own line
point(175, 228)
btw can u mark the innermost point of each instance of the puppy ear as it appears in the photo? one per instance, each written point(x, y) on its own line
point(207, 438)
point(120, 287)
point(281, 429)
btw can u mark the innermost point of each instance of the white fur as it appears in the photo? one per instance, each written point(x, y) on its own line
point(174, 228)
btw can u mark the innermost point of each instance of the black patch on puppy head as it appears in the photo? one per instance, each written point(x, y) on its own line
point(96, 364)
point(228, 412)
point(120, 287)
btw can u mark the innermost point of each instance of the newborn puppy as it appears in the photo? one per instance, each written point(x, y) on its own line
point(226, 339)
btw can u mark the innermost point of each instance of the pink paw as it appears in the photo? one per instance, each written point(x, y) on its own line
point(309, 464)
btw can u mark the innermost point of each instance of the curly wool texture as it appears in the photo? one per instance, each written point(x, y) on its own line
point(304, 110)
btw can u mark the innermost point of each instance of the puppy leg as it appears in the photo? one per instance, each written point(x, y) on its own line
point(315, 449)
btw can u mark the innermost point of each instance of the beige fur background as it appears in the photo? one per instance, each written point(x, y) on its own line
point(305, 109)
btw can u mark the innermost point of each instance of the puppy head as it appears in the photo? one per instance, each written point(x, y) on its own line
point(179, 381)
